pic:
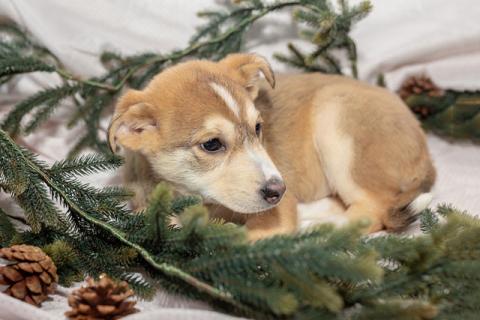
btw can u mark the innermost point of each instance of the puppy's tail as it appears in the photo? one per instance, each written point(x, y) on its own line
point(410, 203)
point(400, 218)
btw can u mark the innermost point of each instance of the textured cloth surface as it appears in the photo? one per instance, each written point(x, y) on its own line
point(399, 38)
point(13, 309)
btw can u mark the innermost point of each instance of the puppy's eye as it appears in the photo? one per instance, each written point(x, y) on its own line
point(213, 145)
point(258, 128)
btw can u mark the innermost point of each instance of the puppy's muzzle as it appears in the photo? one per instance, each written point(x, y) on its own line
point(273, 190)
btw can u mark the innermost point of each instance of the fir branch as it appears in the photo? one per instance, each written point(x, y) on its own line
point(181, 203)
point(428, 220)
point(329, 31)
point(139, 284)
point(30, 194)
point(16, 65)
point(116, 192)
point(86, 165)
point(423, 261)
point(74, 208)
point(323, 273)
point(66, 260)
point(452, 114)
point(38, 207)
point(7, 230)
point(49, 97)
point(156, 215)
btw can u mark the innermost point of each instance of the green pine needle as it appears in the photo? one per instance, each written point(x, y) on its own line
point(87, 164)
point(49, 98)
point(16, 65)
point(7, 230)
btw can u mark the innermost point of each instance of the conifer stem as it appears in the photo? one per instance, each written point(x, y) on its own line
point(68, 76)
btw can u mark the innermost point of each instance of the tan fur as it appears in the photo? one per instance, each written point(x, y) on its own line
point(327, 135)
point(371, 151)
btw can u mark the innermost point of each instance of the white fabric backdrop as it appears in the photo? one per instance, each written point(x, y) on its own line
point(400, 37)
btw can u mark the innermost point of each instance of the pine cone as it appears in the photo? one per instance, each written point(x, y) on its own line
point(31, 277)
point(417, 85)
point(104, 299)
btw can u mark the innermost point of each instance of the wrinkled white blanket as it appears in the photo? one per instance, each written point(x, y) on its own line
point(399, 38)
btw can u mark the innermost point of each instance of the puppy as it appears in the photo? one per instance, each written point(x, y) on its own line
point(215, 129)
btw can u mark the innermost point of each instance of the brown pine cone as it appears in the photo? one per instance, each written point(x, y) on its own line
point(31, 277)
point(104, 299)
point(417, 85)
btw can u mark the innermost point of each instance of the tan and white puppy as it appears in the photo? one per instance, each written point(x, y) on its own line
point(252, 152)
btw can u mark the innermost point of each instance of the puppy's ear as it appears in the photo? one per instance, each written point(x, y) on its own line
point(133, 124)
point(245, 68)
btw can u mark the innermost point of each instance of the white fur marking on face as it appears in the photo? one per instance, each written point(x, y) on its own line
point(252, 113)
point(225, 126)
point(261, 158)
point(223, 93)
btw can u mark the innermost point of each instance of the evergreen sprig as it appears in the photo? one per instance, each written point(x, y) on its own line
point(18, 54)
point(455, 114)
point(16, 65)
point(7, 229)
point(44, 103)
point(85, 165)
point(222, 34)
point(329, 31)
point(322, 273)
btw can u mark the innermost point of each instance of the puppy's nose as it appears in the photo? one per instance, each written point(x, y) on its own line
point(273, 190)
